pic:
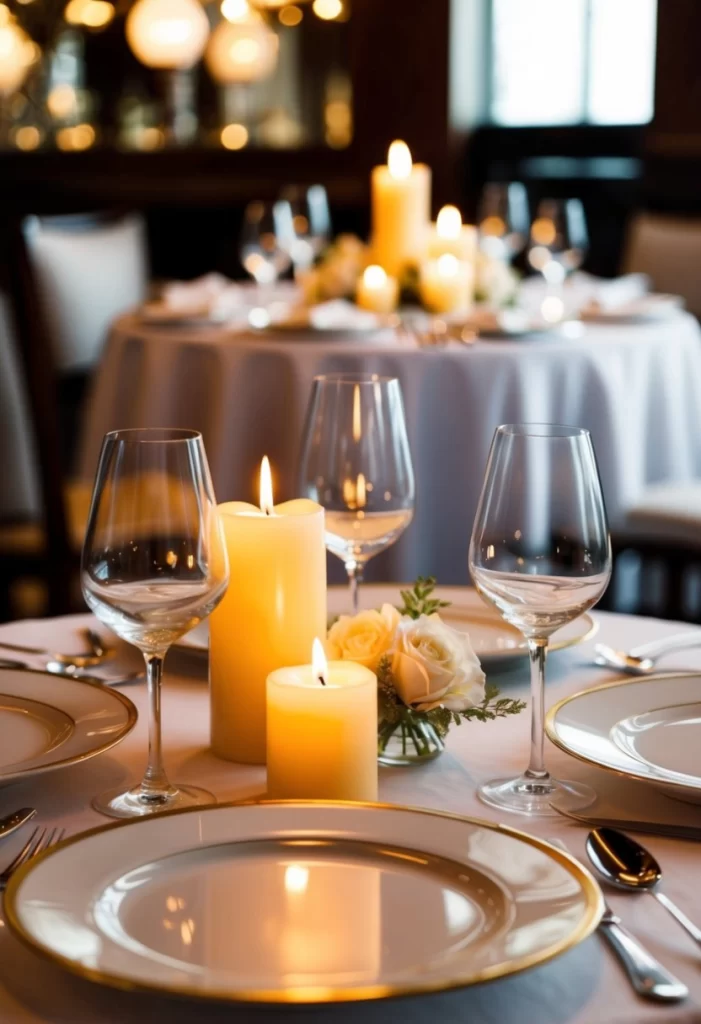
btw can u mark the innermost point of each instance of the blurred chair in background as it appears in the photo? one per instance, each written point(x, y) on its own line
point(86, 270)
point(668, 249)
point(69, 278)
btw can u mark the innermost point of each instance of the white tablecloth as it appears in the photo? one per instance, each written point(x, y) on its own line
point(637, 388)
point(584, 986)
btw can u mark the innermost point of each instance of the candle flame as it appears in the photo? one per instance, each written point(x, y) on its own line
point(266, 487)
point(448, 265)
point(374, 276)
point(399, 160)
point(360, 495)
point(357, 422)
point(319, 663)
point(449, 223)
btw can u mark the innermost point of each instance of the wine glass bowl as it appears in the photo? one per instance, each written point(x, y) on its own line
point(502, 219)
point(154, 565)
point(540, 553)
point(559, 240)
point(356, 463)
point(264, 245)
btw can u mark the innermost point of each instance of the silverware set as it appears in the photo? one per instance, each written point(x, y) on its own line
point(75, 665)
point(41, 839)
point(642, 660)
point(625, 864)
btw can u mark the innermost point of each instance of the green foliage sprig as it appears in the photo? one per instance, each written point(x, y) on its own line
point(418, 600)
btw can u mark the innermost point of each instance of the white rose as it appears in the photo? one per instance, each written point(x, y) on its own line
point(435, 665)
point(364, 637)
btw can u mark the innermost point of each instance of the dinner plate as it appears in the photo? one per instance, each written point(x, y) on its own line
point(49, 721)
point(647, 729)
point(496, 643)
point(302, 902)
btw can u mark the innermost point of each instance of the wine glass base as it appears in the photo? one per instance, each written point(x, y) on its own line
point(534, 797)
point(117, 803)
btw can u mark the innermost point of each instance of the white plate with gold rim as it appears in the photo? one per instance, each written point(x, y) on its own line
point(302, 902)
point(49, 721)
point(496, 643)
point(647, 729)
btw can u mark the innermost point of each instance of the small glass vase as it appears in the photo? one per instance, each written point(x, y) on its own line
point(411, 740)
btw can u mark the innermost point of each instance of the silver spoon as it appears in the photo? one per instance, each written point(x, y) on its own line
point(626, 864)
point(58, 668)
point(77, 660)
point(640, 661)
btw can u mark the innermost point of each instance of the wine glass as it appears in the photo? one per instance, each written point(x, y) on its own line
point(503, 219)
point(540, 553)
point(559, 240)
point(311, 223)
point(357, 464)
point(264, 253)
point(154, 565)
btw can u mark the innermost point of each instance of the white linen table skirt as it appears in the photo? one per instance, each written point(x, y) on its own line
point(637, 388)
point(583, 986)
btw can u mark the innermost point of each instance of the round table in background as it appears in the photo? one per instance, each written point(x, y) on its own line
point(637, 388)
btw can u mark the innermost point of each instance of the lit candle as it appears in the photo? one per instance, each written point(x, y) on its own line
point(377, 291)
point(450, 235)
point(273, 608)
point(447, 284)
point(322, 731)
point(401, 209)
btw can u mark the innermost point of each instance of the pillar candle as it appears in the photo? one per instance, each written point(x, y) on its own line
point(450, 235)
point(446, 285)
point(273, 608)
point(401, 209)
point(376, 291)
point(322, 736)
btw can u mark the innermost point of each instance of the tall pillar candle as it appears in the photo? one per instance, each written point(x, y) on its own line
point(273, 608)
point(322, 732)
point(401, 210)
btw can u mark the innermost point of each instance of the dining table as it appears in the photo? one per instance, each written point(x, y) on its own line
point(581, 986)
point(635, 386)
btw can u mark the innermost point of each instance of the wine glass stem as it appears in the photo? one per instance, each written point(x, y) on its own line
point(155, 787)
point(355, 578)
point(537, 650)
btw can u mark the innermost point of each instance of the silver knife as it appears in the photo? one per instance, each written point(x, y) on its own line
point(653, 828)
point(14, 821)
point(648, 977)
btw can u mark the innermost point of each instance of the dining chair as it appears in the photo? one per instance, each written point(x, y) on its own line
point(68, 278)
point(668, 249)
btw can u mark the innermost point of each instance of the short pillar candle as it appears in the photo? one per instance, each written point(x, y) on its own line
point(322, 732)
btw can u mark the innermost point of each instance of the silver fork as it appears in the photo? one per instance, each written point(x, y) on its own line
point(41, 839)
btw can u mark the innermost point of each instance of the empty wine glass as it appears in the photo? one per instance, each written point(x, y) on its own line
point(154, 565)
point(263, 251)
point(357, 464)
point(311, 223)
point(503, 219)
point(559, 239)
point(540, 553)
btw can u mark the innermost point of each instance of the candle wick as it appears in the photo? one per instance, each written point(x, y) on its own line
point(321, 679)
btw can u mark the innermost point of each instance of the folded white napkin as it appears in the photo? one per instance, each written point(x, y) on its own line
point(212, 296)
point(334, 315)
point(584, 290)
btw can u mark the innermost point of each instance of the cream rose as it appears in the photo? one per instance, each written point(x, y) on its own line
point(435, 665)
point(364, 637)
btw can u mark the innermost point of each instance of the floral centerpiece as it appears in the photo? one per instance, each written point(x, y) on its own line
point(428, 676)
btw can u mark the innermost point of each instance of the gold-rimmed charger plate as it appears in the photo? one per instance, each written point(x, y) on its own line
point(496, 643)
point(49, 721)
point(595, 726)
point(302, 902)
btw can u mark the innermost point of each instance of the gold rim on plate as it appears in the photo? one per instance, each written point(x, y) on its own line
point(554, 737)
point(594, 907)
point(132, 718)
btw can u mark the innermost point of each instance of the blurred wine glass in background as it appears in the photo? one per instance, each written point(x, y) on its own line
point(263, 254)
point(357, 464)
point(559, 239)
point(503, 219)
point(309, 231)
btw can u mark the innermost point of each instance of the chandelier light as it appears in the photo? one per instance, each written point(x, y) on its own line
point(167, 34)
point(17, 53)
point(242, 50)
